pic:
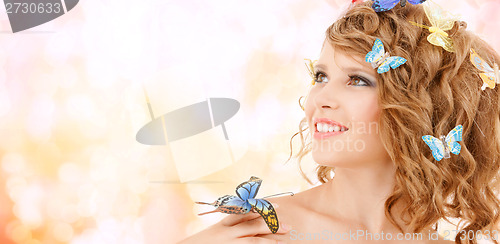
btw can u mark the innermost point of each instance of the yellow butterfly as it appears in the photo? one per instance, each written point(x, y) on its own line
point(310, 69)
point(441, 21)
point(491, 75)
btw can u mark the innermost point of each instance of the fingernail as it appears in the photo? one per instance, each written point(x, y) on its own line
point(285, 227)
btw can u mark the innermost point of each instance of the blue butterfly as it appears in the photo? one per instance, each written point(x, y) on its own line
point(443, 146)
point(379, 58)
point(246, 202)
point(384, 5)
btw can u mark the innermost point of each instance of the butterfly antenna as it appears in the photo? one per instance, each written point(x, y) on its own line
point(204, 203)
point(214, 211)
point(419, 25)
point(308, 66)
point(279, 194)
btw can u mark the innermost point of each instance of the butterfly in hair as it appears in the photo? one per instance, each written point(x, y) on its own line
point(378, 57)
point(384, 5)
point(442, 147)
point(441, 21)
point(490, 76)
point(245, 202)
point(310, 69)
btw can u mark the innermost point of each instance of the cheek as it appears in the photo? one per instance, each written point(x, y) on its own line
point(372, 113)
point(365, 115)
point(308, 106)
point(365, 110)
point(365, 139)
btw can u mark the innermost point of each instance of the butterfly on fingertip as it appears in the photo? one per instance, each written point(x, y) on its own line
point(384, 5)
point(245, 202)
point(442, 147)
point(441, 21)
point(380, 59)
point(490, 76)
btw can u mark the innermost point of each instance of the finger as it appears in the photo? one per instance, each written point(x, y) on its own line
point(257, 226)
point(284, 228)
point(234, 219)
point(256, 240)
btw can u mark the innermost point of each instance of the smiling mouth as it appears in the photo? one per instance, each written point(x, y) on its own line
point(324, 125)
point(325, 128)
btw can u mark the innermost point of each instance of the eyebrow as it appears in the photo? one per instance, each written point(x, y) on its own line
point(360, 70)
point(320, 66)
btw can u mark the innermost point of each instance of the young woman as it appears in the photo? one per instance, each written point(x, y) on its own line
point(366, 117)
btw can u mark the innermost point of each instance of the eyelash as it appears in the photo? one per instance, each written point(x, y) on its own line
point(352, 77)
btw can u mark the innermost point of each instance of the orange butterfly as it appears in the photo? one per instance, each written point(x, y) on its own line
point(491, 76)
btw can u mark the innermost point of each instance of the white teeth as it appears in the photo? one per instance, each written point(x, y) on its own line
point(327, 128)
point(319, 127)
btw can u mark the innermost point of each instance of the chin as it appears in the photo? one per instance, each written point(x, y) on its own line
point(329, 159)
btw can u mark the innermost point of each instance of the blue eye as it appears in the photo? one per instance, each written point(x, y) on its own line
point(358, 81)
point(320, 77)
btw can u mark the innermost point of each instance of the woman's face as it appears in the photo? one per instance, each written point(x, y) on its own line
point(344, 99)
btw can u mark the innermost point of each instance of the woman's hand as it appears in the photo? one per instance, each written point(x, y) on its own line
point(237, 228)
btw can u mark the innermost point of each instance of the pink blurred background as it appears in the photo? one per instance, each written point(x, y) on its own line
point(72, 100)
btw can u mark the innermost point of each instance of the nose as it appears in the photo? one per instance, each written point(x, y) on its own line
point(326, 97)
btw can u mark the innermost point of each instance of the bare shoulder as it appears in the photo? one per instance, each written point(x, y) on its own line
point(296, 210)
point(296, 201)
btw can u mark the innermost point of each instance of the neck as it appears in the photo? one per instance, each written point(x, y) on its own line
point(359, 194)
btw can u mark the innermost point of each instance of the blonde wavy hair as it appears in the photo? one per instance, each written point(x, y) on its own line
point(429, 95)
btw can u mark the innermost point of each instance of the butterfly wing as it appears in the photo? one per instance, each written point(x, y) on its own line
point(230, 205)
point(384, 5)
point(235, 206)
point(442, 41)
point(431, 14)
point(396, 61)
point(248, 189)
point(488, 80)
point(435, 145)
point(479, 62)
point(376, 53)
point(452, 138)
point(488, 77)
point(415, 2)
point(310, 69)
point(384, 67)
point(266, 210)
point(438, 17)
point(391, 62)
